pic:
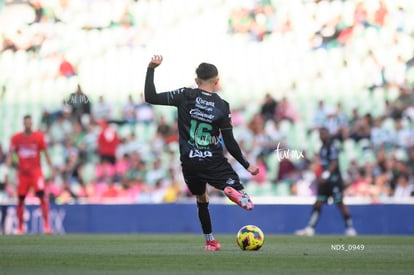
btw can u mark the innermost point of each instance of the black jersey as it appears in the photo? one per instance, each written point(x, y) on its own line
point(202, 118)
point(201, 115)
point(327, 154)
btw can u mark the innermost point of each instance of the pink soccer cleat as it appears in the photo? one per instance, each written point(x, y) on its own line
point(213, 245)
point(239, 197)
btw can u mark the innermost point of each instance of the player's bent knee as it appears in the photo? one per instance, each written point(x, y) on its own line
point(202, 198)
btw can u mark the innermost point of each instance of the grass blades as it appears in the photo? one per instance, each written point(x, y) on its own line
point(185, 254)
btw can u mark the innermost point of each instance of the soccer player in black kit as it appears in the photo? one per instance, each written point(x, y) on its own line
point(202, 118)
point(330, 184)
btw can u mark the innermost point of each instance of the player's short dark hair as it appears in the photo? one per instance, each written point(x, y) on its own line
point(27, 117)
point(206, 71)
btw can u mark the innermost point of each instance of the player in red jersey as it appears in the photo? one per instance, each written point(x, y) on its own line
point(28, 145)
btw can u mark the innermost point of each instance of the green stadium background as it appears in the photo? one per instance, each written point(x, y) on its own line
point(356, 53)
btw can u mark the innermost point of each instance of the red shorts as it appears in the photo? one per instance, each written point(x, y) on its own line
point(34, 179)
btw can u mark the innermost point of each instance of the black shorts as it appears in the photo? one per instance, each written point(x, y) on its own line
point(217, 173)
point(110, 159)
point(333, 189)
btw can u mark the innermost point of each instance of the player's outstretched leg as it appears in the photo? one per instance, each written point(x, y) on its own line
point(239, 197)
point(204, 216)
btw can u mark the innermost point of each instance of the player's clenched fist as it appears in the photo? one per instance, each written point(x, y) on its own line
point(156, 60)
point(253, 169)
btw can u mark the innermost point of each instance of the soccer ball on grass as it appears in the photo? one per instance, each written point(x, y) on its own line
point(250, 237)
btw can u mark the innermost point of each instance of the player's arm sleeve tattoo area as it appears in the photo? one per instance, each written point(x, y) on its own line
point(150, 92)
point(233, 147)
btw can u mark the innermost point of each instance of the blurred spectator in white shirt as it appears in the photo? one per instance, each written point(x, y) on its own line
point(101, 111)
point(128, 110)
point(395, 72)
point(404, 188)
point(144, 112)
point(403, 137)
point(380, 136)
point(319, 116)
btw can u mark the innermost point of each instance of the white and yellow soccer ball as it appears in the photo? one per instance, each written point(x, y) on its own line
point(250, 237)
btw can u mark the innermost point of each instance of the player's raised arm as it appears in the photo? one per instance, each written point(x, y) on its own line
point(150, 92)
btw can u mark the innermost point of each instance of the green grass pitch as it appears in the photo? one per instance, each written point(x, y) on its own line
point(184, 254)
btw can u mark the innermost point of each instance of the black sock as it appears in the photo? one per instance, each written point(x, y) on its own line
point(204, 216)
point(314, 217)
point(348, 222)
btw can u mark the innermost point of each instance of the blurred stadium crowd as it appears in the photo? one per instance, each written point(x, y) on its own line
point(78, 67)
